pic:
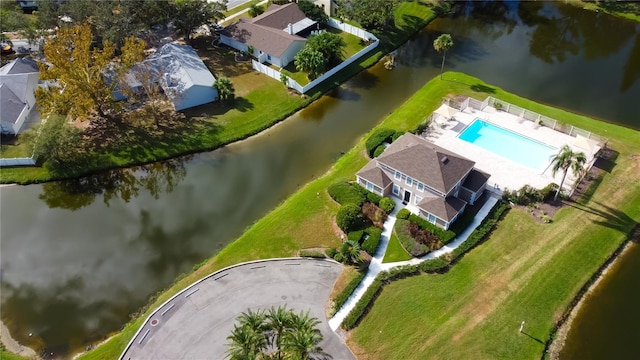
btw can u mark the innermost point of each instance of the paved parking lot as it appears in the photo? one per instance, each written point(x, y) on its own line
point(195, 324)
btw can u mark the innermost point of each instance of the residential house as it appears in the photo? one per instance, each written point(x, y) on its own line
point(436, 181)
point(275, 36)
point(184, 78)
point(18, 82)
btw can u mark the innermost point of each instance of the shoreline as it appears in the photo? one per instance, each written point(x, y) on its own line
point(559, 334)
point(13, 346)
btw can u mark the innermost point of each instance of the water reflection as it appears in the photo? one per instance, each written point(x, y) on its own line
point(632, 67)
point(123, 184)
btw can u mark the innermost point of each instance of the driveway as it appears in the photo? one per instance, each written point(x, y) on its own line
point(195, 323)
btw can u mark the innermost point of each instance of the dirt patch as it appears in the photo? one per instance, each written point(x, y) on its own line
point(541, 212)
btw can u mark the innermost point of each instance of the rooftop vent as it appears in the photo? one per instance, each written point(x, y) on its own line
point(444, 160)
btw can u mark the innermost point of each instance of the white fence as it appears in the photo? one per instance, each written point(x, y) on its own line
point(365, 35)
point(17, 162)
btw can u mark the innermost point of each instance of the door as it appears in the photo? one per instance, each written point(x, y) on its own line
point(407, 196)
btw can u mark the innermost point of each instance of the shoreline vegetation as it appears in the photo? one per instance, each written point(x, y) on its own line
point(625, 9)
point(304, 220)
point(227, 124)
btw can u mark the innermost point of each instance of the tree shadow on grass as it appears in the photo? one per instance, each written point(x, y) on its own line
point(610, 217)
point(533, 338)
point(483, 88)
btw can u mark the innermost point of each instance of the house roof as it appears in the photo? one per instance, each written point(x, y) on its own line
point(182, 64)
point(475, 180)
point(445, 209)
point(10, 105)
point(20, 66)
point(268, 32)
point(374, 175)
point(428, 163)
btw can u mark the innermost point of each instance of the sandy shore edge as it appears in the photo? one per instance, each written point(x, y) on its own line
point(13, 346)
point(561, 335)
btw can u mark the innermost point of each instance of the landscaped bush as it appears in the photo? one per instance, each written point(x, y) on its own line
point(355, 235)
point(343, 296)
point(409, 244)
point(397, 134)
point(403, 214)
point(338, 257)
point(376, 215)
point(373, 197)
point(444, 235)
point(349, 217)
point(387, 204)
point(377, 138)
point(420, 128)
point(346, 193)
point(434, 265)
point(331, 252)
point(351, 320)
point(549, 191)
point(378, 151)
point(526, 195)
point(312, 254)
point(370, 244)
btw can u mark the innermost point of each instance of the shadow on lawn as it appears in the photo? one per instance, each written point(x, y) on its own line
point(610, 217)
point(533, 338)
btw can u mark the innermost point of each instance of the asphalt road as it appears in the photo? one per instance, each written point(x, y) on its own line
point(195, 324)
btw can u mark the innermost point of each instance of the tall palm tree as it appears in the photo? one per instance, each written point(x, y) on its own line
point(246, 344)
point(564, 160)
point(279, 320)
point(441, 45)
point(302, 344)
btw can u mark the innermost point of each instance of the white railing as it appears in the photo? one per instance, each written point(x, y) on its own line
point(365, 35)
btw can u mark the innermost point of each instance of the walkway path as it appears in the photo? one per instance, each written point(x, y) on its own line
point(377, 266)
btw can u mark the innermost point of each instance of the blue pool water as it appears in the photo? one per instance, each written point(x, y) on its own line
point(507, 144)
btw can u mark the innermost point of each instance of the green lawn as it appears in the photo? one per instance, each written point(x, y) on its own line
point(395, 251)
point(625, 9)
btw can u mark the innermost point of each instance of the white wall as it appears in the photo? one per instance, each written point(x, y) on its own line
point(194, 96)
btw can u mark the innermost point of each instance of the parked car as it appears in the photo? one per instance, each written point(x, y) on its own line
point(6, 48)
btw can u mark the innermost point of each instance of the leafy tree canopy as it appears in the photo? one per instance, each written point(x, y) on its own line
point(313, 11)
point(371, 14)
point(190, 14)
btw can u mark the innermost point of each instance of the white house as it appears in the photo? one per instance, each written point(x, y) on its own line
point(276, 35)
point(18, 82)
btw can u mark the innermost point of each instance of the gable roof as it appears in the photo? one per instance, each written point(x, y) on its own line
point(20, 66)
point(269, 31)
point(10, 105)
point(475, 180)
point(445, 209)
point(428, 163)
point(182, 64)
point(374, 175)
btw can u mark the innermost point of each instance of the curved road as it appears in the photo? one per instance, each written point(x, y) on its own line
point(195, 323)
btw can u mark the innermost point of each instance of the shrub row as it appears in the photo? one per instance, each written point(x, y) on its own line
point(342, 296)
point(355, 236)
point(312, 254)
point(408, 243)
point(445, 235)
point(370, 244)
point(377, 138)
point(345, 193)
point(378, 151)
point(528, 194)
point(437, 265)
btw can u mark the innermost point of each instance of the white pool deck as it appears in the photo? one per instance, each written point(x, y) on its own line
point(504, 172)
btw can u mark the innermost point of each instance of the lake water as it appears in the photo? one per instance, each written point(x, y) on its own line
point(79, 256)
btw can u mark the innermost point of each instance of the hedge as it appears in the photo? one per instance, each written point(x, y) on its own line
point(437, 265)
point(312, 254)
point(387, 204)
point(348, 217)
point(373, 197)
point(444, 235)
point(342, 296)
point(345, 193)
point(377, 138)
point(355, 236)
point(397, 134)
point(331, 252)
point(403, 214)
point(378, 151)
point(370, 244)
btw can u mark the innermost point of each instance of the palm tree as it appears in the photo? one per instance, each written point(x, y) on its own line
point(564, 160)
point(441, 45)
point(351, 251)
point(279, 320)
point(302, 344)
point(245, 344)
point(225, 88)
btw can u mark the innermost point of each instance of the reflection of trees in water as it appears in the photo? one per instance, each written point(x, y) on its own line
point(495, 17)
point(122, 184)
point(563, 30)
point(632, 67)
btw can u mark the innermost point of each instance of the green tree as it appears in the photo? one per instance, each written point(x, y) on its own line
point(225, 88)
point(350, 250)
point(255, 10)
point(564, 160)
point(191, 14)
point(83, 89)
point(442, 44)
point(348, 216)
point(330, 45)
point(11, 17)
point(313, 11)
point(55, 142)
point(310, 61)
point(371, 14)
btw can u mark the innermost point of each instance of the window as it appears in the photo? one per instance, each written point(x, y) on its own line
point(409, 181)
point(369, 186)
point(432, 219)
point(268, 57)
point(398, 176)
point(420, 187)
point(396, 189)
point(418, 199)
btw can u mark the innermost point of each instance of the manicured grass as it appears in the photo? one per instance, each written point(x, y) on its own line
point(244, 6)
point(14, 149)
point(395, 251)
point(5, 355)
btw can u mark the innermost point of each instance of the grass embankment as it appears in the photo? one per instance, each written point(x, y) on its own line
point(624, 9)
point(525, 271)
point(260, 105)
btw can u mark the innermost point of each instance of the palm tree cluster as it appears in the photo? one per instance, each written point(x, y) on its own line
point(564, 160)
point(277, 334)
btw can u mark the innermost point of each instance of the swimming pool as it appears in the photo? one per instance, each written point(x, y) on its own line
point(515, 147)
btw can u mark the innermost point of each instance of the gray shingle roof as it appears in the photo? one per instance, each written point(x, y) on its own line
point(10, 105)
point(280, 16)
point(445, 209)
point(374, 175)
point(428, 163)
point(20, 66)
point(475, 180)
